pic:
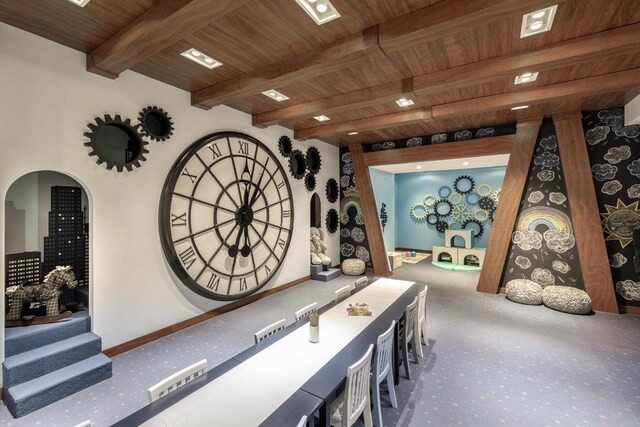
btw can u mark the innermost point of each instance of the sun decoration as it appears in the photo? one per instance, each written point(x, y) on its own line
point(620, 221)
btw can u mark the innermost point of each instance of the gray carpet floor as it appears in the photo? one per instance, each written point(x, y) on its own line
point(489, 361)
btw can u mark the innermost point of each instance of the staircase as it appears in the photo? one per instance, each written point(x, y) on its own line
point(324, 273)
point(46, 363)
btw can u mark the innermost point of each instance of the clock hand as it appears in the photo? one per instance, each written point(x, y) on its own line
point(254, 196)
point(233, 249)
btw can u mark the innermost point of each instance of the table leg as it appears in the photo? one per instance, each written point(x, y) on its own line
point(325, 414)
point(396, 354)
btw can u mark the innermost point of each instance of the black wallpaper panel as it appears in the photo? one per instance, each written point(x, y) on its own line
point(614, 152)
point(543, 245)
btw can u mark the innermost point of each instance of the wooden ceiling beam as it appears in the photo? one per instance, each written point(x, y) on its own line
point(417, 27)
point(573, 89)
point(161, 26)
point(602, 45)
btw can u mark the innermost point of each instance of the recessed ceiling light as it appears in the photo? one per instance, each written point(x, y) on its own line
point(352, 133)
point(526, 78)
point(322, 118)
point(81, 3)
point(404, 102)
point(520, 107)
point(538, 21)
point(205, 60)
point(418, 167)
point(321, 11)
point(275, 95)
point(465, 163)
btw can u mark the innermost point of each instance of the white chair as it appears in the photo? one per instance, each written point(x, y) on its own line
point(421, 324)
point(307, 310)
point(342, 293)
point(177, 380)
point(270, 330)
point(84, 424)
point(408, 337)
point(361, 282)
point(382, 370)
point(355, 399)
point(303, 421)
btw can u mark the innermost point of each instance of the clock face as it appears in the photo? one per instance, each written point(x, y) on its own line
point(226, 216)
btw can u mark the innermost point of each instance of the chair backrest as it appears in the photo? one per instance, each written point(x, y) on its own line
point(342, 293)
point(422, 303)
point(305, 311)
point(356, 391)
point(84, 424)
point(361, 282)
point(384, 354)
point(410, 318)
point(303, 421)
point(177, 380)
point(270, 330)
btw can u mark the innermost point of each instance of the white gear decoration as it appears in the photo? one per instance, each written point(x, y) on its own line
point(461, 213)
point(484, 190)
point(417, 215)
point(481, 215)
point(496, 195)
point(456, 198)
point(429, 200)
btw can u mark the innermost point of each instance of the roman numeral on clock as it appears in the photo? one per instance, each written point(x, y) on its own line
point(267, 269)
point(243, 284)
point(186, 173)
point(286, 214)
point(188, 257)
point(179, 220)
point(215, 150)
point(243, 148)
point(213, 283)
point(281, 243)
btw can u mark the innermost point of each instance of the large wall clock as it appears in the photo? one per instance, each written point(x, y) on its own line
point(226, 216)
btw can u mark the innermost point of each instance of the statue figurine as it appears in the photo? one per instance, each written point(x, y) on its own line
point(318, 248)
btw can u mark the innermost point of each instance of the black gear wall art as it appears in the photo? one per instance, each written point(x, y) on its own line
point(285, 146)
point(442, 208)
point(297, 164)
point(332, 221)
point(464, 184)
point(116, 142)
point(487, 203)
point(332, 191)
point(314, 161)
point(442, 226)
point(310, 182)
point(155, 123)
point(474, 225)
point(383, 216)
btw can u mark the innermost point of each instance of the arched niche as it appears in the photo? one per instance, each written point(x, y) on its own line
point(315, 210)
point(444, 257)
point(47, 218)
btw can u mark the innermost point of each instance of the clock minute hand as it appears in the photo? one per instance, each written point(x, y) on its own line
point(254, 196)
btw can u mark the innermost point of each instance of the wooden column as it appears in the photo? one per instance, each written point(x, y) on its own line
point(369, 212)
point(512, 189)
point(585, 214)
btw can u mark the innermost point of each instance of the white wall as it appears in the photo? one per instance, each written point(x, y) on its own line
point(47, 101)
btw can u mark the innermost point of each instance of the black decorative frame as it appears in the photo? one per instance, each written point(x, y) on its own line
point(125, 126)
point(163, 119)
point(285, 146)
point(332, 190)
point(310, 182)
point(297, 164)
point(332, 221)
point(314, 160)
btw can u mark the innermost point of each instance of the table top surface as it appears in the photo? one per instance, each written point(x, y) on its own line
point(283, 369)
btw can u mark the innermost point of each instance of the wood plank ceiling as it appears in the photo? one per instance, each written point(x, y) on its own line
point(438, 52)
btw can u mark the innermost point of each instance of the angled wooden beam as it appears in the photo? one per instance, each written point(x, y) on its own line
point(513, 185)
point(573, 89)
point(429, 23)
point(370, 213)
point(602, 45)
point(165, 23)
point(325, 60)
point(370, 123)
point(585, 213)
point(452, 150)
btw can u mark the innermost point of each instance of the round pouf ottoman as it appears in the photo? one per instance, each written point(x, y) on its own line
point(567, 299)
point(524, 291)
point(353, 267)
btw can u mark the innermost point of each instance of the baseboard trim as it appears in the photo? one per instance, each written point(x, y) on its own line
point(160, 333)
point(627, 309)
point(424, 251)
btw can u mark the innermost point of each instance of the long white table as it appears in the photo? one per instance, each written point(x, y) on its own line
point(247, 394)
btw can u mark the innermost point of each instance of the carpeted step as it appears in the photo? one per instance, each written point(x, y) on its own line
point(43, 360)
point(325, 276)
point(27, 397)
point(19, 340)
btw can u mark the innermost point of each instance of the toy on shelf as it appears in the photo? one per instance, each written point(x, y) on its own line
point(455, 258)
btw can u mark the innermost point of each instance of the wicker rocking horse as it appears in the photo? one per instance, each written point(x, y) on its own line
point(48, 293)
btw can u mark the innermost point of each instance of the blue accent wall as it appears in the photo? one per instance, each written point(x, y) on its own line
point(384, 192)
point(412, 188)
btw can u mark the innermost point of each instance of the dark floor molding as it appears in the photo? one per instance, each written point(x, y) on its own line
point(160, 333)
point(424, 251)
point(627, 309)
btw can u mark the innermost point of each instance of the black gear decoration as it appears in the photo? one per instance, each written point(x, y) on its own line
point(445, 189)
point(310, 182)
point(285, 146)
point(432, 219)
point(486, 203)
point(314, 161)
point(332, 191)
point(155, 123)
point(332, 221)
point(442, 226)
point(135, 149)
point(440, 203)
point(297, 164)
point(464, 178)
point(478, 223)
